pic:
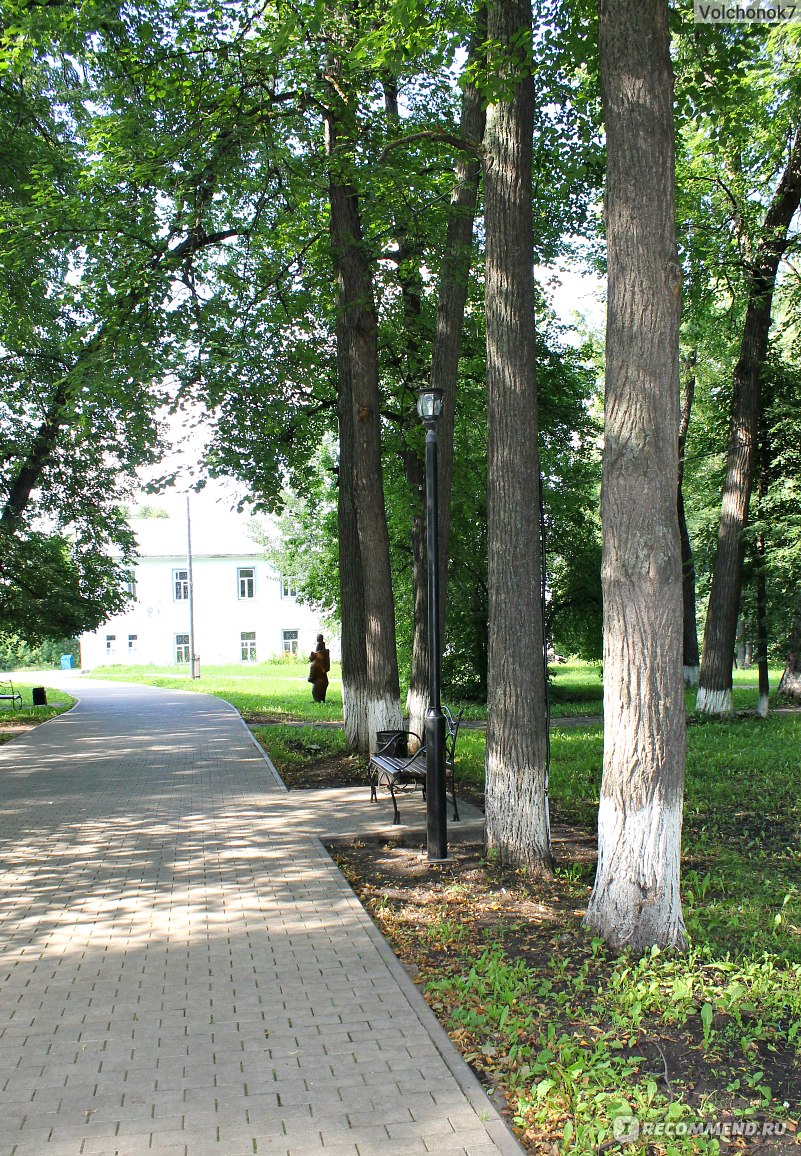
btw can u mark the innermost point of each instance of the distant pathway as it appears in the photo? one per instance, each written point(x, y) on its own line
point(184, 973)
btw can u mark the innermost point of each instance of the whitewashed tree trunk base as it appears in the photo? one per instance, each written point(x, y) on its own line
point(790, 686)
point(692, 675)
point(416, 708)
point(636, 900)
point(762, 706)
point(714, 702)
point(517, 823)
point(383, 714)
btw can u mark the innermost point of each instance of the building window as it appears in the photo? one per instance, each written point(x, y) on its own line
point(133, 642)
point(248, 640)
point(289, 642)
point(181, 648)
point(246, 576)
point(288, 588)
point(130, 584)
point(180, 585)
point(111, 644)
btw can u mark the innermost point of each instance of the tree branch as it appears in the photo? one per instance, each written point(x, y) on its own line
point(436, 134)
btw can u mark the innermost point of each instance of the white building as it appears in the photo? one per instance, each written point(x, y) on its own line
point(243, 612)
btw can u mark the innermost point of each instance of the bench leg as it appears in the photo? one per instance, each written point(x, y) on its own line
point(396, 818)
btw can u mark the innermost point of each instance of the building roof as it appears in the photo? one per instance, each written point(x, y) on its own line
point(216, 533)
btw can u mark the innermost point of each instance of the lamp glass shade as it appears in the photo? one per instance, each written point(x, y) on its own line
point(429, 404)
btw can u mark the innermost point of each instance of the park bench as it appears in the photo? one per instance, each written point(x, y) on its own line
point(8, 693)
point(394, 768)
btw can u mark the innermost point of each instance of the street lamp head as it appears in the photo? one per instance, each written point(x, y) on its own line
point(429, 405)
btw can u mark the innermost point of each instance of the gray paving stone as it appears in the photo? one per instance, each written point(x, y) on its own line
point(184, 970)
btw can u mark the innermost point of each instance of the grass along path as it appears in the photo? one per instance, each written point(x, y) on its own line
point(265, 690)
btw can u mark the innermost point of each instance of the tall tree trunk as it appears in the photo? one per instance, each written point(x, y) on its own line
point(454, 283)
point(452, 298)
point(790, 684)
point(357, 331)
point(690, 646)
point(516, 771)
point(714, 692)
point(408, 262)
point(635, 901)
point(351, 578)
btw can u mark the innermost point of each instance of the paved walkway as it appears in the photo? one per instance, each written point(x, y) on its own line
point(182, 972)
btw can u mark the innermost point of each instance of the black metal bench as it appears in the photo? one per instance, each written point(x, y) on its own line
point(8, 694)
point(394, 768)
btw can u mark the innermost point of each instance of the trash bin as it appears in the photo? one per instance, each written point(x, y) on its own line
point(67, 661)
point(399, 748)
point(39, 696)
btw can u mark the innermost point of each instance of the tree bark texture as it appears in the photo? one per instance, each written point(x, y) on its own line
point(635, 901)
point(714, 692)
point(691, 657)
point(517, 826)
point(351, 579)
point(454, 280)
point(357, 330)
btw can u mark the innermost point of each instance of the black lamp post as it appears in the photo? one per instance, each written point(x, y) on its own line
point(429, 407)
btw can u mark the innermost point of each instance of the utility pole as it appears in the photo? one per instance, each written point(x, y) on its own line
point(190, 584)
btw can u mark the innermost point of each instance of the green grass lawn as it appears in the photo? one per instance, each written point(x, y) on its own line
point(576, 688)
point(276, 689)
